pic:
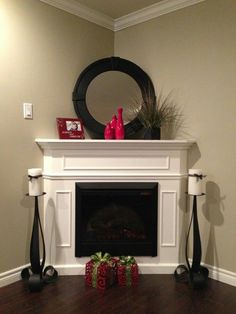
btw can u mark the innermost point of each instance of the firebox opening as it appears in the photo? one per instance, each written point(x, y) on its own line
point(119, 218)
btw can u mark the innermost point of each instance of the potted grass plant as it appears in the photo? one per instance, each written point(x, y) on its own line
point(156, 113)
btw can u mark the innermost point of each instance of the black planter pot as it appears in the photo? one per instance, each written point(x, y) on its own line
point(152, 134)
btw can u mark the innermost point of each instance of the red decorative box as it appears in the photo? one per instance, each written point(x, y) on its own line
point(127, 273)
point(101, 274)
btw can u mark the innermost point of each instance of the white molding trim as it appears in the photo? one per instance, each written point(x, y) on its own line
point(215, 273)
point(68, 227)
point(11, 276)
point(221, 275)
point(114, 146)
point(152, 11)
point(83, 11)
point(104, 177)
point(139, 16)
point(162, 161)
point(144, 268)
point(162, 211)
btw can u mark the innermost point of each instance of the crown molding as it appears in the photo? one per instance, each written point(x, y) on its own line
point(143, 15)
point(82, 11)
point(152, 11)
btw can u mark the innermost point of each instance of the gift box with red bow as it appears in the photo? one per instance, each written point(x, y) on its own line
point(127, 271)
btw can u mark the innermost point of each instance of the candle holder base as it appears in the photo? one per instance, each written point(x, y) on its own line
point(35, 283)
point(199, 279)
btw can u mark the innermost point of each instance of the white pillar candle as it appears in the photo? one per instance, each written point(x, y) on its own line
point(35, 182)
point(194, 182)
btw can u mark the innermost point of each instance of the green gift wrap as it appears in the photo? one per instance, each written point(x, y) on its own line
point(127, 271)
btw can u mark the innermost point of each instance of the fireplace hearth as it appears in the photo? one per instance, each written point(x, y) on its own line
point(119, 218)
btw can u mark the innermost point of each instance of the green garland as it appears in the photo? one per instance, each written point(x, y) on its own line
point(94, 275)
point(98, 259)
point(128, 276)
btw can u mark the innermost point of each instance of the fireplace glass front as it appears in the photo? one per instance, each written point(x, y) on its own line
point(119, 218)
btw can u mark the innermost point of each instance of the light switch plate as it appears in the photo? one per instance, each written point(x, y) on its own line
point(28, 110)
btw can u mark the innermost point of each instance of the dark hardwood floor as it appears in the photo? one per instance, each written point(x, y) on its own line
point(154, 294)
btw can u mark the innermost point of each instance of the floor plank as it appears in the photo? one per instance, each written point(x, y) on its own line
point(154, 294)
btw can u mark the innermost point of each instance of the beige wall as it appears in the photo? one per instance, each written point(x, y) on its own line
point(42, 52)
point(193, 52)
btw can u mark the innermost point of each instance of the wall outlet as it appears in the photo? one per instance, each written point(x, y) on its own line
point(28, 110)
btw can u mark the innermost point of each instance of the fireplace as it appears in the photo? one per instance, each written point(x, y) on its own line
point(119, 218)
point(70, 165)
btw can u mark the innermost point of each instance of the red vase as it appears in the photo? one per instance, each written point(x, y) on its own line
point(113, 125)
point(108, 133)
point(120, 131)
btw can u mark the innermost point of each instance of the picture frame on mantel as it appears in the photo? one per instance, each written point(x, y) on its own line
point(70, 128)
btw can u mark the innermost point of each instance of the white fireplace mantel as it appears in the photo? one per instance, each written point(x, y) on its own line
point(126, 145)
point(86, 158)
point(69, 161)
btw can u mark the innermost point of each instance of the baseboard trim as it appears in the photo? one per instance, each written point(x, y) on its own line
point(221, 275)
point(147, 268)
point(216, 273)
point(11, 276)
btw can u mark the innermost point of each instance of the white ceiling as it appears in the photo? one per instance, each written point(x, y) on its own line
point(117, 8)
point(118, 14)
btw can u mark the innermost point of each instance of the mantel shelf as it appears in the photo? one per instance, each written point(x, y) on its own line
point(57, 144)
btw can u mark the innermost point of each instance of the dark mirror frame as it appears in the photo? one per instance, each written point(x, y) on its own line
point(95, 128)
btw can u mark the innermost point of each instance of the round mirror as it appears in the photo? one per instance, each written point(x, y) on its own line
point(106, 85)
point(111, 90)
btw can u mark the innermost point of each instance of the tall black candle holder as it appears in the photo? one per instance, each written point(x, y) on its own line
point(195, 274)
point(36, 275)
